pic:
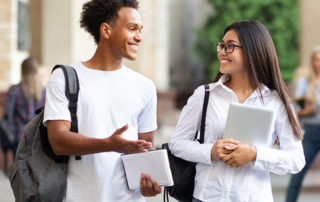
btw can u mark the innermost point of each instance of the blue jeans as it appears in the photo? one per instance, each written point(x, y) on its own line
point(311, 146)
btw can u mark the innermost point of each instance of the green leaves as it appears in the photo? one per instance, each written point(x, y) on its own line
point(280, 17)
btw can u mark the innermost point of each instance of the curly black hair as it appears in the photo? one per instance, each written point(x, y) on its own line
point(96, 12)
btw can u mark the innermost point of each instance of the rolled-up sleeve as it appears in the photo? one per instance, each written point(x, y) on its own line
point(301, 88)
point(56, 105)
point(289, 158)
point(181, 143)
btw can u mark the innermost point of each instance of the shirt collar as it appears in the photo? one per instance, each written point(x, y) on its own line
point(225, 77)
point(221, 81)
point(264, 90)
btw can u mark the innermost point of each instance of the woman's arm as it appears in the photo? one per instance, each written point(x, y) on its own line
point(289, 158)
point(181, 143)
point(310, 108)
point(301, 92)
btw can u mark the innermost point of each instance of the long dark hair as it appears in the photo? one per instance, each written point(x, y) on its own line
point(261, 60)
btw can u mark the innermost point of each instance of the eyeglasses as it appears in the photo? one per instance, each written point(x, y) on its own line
point(228, 48)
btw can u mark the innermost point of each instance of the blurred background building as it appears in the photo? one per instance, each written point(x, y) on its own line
point(49, 30)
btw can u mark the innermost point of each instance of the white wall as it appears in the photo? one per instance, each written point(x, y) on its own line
point(309, 28)
point(153, 56)
point(63, 41)
point(83, 45)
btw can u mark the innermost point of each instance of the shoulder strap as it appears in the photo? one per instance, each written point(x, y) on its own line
point(72, 92)
point(204, 113)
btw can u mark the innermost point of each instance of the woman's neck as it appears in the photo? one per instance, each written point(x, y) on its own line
point(241, 86)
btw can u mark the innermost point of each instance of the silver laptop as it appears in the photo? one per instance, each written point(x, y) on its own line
point(250, 124)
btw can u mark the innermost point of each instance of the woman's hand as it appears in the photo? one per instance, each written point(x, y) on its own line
point(309, 108)
point(218, 150)
point(240, 155)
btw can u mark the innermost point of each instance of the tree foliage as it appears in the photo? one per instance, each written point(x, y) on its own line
point(280, 17)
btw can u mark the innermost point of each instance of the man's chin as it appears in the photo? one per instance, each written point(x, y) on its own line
point(131, 57)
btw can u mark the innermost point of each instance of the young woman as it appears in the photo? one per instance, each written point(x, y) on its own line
point(308, 88)
point(24, 98)
point(228, 170)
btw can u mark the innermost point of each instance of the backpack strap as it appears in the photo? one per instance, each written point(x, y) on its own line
point(72, 92)
point(204, 114)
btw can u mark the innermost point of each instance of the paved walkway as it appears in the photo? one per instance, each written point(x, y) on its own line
point(309, 194)
point(6, 194)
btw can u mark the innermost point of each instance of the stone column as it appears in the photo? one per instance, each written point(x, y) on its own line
point(36, 29)
point(5, 45)
point(10, 56)
point(56, 32)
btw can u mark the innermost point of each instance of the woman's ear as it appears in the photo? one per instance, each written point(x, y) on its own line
point(105, 30)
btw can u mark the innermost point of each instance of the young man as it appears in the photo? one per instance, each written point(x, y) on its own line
point(116, 108)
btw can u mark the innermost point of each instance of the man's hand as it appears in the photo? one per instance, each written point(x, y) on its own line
point(218, 150)
point(149, 187)
point(119, 144)
point(241, 154)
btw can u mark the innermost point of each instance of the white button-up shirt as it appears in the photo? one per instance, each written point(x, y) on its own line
point(216, 181)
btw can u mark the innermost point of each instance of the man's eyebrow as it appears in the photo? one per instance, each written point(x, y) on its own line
point(136, 25)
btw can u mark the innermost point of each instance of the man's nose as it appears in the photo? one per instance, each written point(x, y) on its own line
point(138, 37)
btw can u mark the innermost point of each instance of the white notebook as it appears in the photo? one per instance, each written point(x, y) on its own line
point(155, 163)
point(250, 124)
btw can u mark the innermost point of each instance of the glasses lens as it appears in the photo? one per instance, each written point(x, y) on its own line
point(220, 46)
point(229, 48)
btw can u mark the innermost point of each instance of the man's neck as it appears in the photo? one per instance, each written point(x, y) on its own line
point(104, 59)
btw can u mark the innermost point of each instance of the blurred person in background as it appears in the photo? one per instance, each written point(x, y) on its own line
point(23, 99)
point(307, 95)
point(249, 73)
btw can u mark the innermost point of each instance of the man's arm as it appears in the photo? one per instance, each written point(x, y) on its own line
point(146, 136)
point(65, 142)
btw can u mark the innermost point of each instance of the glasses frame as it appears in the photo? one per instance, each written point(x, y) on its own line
point(224, 46)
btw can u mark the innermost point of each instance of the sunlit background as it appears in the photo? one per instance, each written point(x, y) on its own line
point(178, 52)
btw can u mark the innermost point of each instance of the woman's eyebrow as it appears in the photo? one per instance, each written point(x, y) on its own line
point(233, 41)
point(230, 41)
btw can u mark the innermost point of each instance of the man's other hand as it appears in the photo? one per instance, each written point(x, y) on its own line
point(149, 187)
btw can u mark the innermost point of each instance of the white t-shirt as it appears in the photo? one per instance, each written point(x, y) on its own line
point(107, 101)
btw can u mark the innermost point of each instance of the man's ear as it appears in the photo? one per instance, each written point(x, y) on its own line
point(105, 30)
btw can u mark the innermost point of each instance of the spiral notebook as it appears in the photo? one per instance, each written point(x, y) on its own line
point(155, 163)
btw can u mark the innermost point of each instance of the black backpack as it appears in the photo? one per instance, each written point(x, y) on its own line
point(183, 171)
point(38, 174)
